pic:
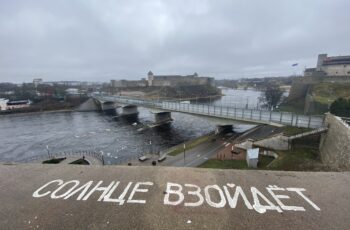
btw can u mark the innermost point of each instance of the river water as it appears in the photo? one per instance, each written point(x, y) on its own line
point(26, 135)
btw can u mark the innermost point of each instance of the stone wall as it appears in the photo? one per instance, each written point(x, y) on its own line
point(335, 144)
point(298, 90)
point(277, 142)
point(313, 107)
point(87, 106)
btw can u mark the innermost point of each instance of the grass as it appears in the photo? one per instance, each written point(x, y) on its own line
point(295, 106)
point(291, 130)
point(301, 159)
point(264, 161)
point(54, 161)
point(296, 160)
point(326, 93)
point(190, 145)
point(224, 164)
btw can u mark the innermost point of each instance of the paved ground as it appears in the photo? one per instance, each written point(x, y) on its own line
point(196, 156)
point(69, 197)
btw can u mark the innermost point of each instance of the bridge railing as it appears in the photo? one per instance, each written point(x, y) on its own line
point(252, 115)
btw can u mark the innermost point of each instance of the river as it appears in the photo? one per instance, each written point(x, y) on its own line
point(26, 135)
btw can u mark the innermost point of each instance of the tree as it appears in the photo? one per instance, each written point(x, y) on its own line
point(341, 107)
point(272, 96)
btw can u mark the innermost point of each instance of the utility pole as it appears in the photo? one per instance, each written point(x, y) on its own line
point(151, 147)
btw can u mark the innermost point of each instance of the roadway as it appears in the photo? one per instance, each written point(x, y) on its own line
point(197, 155)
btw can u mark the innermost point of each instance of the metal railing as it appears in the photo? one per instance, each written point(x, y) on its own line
point(79, 153)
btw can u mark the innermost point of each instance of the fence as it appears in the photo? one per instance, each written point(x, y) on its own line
point(79, 153)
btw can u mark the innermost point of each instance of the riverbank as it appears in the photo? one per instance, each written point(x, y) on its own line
point(170, 92)
point(37, 112)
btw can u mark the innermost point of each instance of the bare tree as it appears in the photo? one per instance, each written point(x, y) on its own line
point(272, 96)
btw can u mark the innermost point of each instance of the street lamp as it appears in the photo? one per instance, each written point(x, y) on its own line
point(48, 151)
point(184, 154)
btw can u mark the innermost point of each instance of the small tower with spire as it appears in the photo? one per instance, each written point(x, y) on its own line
point(150, 78)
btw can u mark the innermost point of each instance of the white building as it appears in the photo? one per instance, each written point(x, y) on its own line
point(72, 91)
point(3, 104)
point(37, 81)
point(252, 158)
point(18, 104)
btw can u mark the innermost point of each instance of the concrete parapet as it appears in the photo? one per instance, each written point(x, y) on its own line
point(335, 144)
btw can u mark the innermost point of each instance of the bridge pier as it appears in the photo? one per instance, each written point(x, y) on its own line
point(107, 107)
point(161, 118)
point(129, 111)
point(224, 129)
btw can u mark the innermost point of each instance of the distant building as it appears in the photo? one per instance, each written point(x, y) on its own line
point(37, 81)
point(72, 91)
point(330, 66)
point(3, 104)
point(175, 80)
point(164, 80)
point(127, 83)
point(18, 104)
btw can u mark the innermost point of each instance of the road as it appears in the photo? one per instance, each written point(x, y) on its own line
point(199, 154)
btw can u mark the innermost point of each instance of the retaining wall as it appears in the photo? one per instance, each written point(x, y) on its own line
point(335, 144)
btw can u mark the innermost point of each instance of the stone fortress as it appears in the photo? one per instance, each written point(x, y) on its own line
point(330, 66)
point(328, 70)
point(164, 80)
point(175, 80)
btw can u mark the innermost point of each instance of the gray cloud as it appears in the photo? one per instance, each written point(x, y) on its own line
point(99, 40)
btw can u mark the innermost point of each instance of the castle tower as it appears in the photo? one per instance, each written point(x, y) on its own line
point(321, 58)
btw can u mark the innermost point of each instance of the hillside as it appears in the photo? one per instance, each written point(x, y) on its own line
point(320, 96)
point(326, 93)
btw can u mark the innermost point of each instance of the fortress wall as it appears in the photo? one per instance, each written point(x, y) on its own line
point(298, 90)
point(301, 85)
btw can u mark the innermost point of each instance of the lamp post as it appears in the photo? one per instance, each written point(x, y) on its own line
point(184, 154)
point(48, 151)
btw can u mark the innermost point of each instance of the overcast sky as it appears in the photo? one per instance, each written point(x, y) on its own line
point(96, 40)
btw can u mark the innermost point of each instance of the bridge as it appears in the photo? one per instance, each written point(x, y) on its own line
point(275, 118)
